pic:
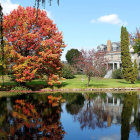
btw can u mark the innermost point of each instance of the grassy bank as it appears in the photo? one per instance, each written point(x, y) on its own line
point(97, 83)
point(80, 81)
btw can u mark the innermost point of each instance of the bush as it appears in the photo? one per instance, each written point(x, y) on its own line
point(117, 74)
point(67, 72)
point(20, 88)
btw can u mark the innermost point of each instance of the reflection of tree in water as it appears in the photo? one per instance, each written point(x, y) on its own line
point(34, 118)
point(137, 114)
point(137, 124)
point(75, 102)
point(130, 102)
point(92, 114)
point(88, 118)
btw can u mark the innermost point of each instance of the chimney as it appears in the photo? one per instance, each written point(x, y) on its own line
point(108, 45)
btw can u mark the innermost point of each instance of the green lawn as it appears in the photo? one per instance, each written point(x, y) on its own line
point(78, 83)
point(97, 83)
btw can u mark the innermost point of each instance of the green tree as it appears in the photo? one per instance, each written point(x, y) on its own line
point(72, 55)
point(135, 70)
point(128, 69)
point(67, 72)
point(117, 74)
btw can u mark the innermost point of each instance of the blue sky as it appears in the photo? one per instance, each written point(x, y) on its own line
point(88, 23)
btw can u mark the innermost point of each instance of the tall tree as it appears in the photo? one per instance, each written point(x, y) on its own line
point(135, 70)
point(92, 63)
point(72, 55)
point(37, 45)
point(127, 64)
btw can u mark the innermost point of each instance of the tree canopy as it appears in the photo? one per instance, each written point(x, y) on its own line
point(92, 63)
point(72, 55)
point(37, 45)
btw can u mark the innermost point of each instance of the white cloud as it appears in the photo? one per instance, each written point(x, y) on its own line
point(110, 19)
point(48, 13)
point(110, 137)
point(8, 6)
point(93, 21)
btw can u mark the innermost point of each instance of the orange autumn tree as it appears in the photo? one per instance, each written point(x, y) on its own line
point(37, 45)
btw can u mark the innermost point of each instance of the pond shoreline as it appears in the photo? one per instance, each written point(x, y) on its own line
point(75, 90)
point(90, 89)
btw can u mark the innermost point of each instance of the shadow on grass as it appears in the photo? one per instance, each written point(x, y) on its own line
point(36, 82)
point(138, 81)
point(7, 86)
point(127, 82)
point(95, 85)
point(63, 84)
point(124, 82)
point(35, 85)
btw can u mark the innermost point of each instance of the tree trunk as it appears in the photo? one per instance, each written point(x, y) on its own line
point(88, 80)
point(22, 84)
point(132, 82)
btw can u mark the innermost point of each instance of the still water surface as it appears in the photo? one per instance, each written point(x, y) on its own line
point(71, 116)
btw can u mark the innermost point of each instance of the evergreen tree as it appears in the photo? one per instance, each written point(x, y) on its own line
point(135, 70)
point(127, 65)
point(134, 74)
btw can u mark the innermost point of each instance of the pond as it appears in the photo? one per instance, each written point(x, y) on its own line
point(71, 116)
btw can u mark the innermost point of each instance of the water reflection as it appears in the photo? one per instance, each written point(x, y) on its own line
point(74, 102)
point(31, 117)
point(130, 115)
point(104, 110)
point(71, 116)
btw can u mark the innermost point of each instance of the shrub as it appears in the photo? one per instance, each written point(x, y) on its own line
point(20, 88)
point(67, 72)
point(117, 74)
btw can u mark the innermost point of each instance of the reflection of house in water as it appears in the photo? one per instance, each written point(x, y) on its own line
point(103, 110)
point(112, 107)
